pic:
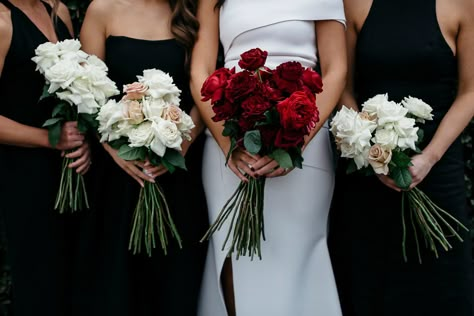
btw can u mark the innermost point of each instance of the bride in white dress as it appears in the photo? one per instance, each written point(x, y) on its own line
point(295, 277)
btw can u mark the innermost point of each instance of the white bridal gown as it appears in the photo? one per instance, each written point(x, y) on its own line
point(294, 277)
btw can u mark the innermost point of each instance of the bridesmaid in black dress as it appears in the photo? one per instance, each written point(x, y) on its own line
point(41, 242)
point(422, 48)
point(132, 36)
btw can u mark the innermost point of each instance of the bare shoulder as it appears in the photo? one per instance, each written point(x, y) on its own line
point(104, 8)
point(356, 12)
point(465, 11)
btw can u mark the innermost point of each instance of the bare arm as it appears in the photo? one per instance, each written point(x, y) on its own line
point(332, 54)
point(347, 97)
point(462, 110)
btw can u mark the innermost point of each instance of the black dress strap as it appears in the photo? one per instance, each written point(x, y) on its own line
point(8, 4)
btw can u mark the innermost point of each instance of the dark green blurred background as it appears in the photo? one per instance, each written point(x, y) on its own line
point(77, 9)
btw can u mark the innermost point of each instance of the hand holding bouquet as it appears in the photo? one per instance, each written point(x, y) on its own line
point(383, 136)
point(267, 113)
point(148, 125)
point(78, 85)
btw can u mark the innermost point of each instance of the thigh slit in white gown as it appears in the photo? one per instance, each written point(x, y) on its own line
point(294, 277)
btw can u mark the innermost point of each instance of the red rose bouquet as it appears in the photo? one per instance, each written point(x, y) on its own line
point(265, 112)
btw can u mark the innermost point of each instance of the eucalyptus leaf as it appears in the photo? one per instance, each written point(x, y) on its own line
point(282, 157)
point(168, 166)
point(253, 142)
point(400, 159)
point(231, 128)
point(45, 94)
point(351, 167)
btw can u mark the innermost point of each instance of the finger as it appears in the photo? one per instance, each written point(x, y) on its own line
point(70, 124)
point(261, 163)
point(77, 153)
point(75, 137)
point(237, 172)
point(276, 173)
point(79, 162)
point(140, 173)
point(140, 164)
point(82, 169)
point(160, 173)
point(245, 168)
point(268, 168)
point(152, 169)
point(389, 182)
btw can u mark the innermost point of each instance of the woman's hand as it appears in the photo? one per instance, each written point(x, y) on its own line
point(241, 162)
point(422, 165)
point(268, 167)
point(70, 137)
point(83, 159)
point(132, 167)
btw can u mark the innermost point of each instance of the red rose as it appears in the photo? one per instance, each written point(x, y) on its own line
point(248, 120)
point(213, 88)
point(256, 105)
point(312, 80)
point(240, 85)
point(288, 138)
point(288, 75)
point(223, 111)
point(271, 92)
point(253, 59)
point(298, 112)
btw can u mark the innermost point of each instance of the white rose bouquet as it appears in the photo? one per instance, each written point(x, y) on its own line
point(147, 124)
point(78, 85)
point(383, 136)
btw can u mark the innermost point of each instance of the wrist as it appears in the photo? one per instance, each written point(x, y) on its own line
point(432, 156)
point(43, 140)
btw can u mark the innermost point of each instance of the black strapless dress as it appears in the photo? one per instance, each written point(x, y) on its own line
point(160, 285)
point(401, 51)
point(42, 244)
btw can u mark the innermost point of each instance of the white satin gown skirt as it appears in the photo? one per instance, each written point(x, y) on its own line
point(294, 277)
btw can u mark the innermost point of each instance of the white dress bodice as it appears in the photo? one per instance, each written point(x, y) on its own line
point(285, 29)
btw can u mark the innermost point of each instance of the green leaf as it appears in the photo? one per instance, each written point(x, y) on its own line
point(253, 142)
point(421, 135)
point(168, 166)
point(54, 133)
point(116, 144)
point(282, 157)
point(351, 167)
point(231, 128)
point(86, 122)
point(132, 153)
point(233, 145)
point(175, 158)
point(298, 161)
point(52, 121)
point(45, 94)
point(60, 108)
point(400, 159)
point(402, 177)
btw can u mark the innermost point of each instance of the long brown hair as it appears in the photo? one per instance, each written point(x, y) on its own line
point(184, 24)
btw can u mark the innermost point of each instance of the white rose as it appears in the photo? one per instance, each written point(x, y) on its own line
point(47, 55)
point(69, 45)
point(109, 116)
point(407, 133)
point(160, 85)
point(154, 108)
point(372, 105)
point(186, 126)
point(361, 158)
point(386, 137)
point(390, 112)
point(168, 133)
point(62, 74)
point(342, 125)
point(418, 108)
point(99, 84)
point(141, 135)
point(97, 62)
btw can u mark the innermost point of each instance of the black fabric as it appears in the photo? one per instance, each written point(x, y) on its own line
point(42, 244)
point(136, 284)
point(401, 51)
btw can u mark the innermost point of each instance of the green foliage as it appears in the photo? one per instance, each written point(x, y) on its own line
point(77, 9)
